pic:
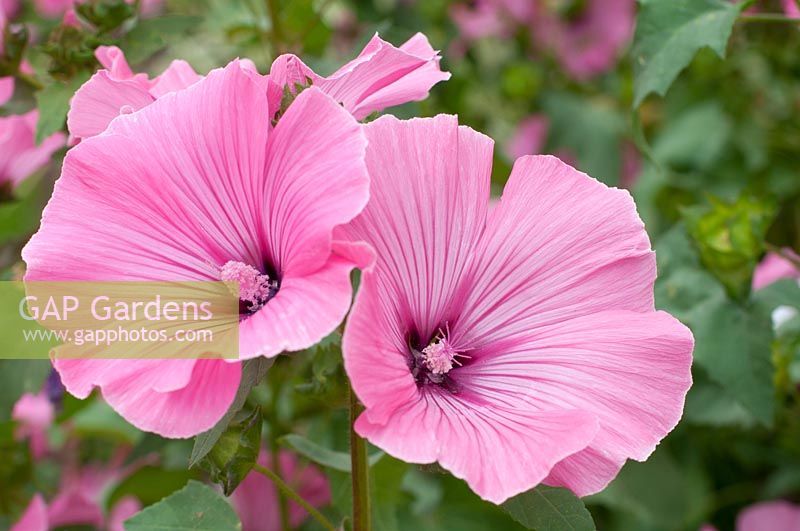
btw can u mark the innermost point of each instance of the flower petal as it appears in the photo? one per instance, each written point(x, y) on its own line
point(100, 100)
point(316, 180)
point(558, 245)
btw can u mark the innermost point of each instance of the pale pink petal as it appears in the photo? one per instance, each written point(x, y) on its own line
point(499, 451)
point(305, 310)
point(113, 60)
point(316, 180)
point(34, 518)
point(123, 509)
point(182, 413)
point(34, 414)
point(774, 267)
point(529, 137)
point(52, 8)
point(177, 76)
point(430, 192)
point(289, 71)
point(630, 370)
point(384, 76)
point(100, 100)
point(482, 19)
point(769, 516)
point(539, 261)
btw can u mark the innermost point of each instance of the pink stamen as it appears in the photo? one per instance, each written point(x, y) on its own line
point(254, 286)
point(440, 356)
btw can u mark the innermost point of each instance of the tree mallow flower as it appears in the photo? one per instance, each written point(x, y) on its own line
point(381, 76)
point(198, 185)
point(515, 346)
point(34, 414)
point(20, 157)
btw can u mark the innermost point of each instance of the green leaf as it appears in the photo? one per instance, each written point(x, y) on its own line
point(550, 509)
point(196, 507)
point(591, 129)
point(323, 456)
point(152, 34)
point(252, 373)
point(100, 420)
point(53, 104)
point(732, 341)
point(18, 377)
point(730, 239)
point(668, 35)
point(236, 451)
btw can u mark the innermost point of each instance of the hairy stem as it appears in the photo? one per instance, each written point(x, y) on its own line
point(360, 470)
point(294, 496)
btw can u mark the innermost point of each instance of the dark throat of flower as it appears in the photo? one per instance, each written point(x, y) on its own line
point(432, 362)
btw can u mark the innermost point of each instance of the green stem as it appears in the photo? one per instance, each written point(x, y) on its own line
point(768, 17)
point(360, 470)
point(276, 33)
point(283, 502)
point(30, 80)
point(290, 493)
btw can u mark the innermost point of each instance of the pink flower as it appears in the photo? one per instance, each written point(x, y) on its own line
point(381, 76)
point(116, 89)
point(256, 499)
point(774, 267)
point(561, 369)
point(9, 8)
point(79, 500)
point(34, 414)
point(791, 8)
point(20, 157)
point(177, 191)
point(769, 516)
point(590, 43)
point(484, 18)
point(529, 137)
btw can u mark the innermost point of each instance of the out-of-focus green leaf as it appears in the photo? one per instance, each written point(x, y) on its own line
point(18, 377)
point(732, 340)
point(323, 456)
point(98, 419)
point(550, 509)
point(150, 484)
point(53, 104)
point(152, 34)
point(196, 507)
point(426, 491)
point(730, 239)
point(660, 492)
point(15, 469)
point(236, 451)
point(668, 35)
point(590, 130)
point(252, 373)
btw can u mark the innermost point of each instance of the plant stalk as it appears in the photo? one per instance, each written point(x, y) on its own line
point(294, 496)
point(360, 470)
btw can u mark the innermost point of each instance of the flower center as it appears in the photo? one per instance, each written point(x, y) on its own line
point(255, 287)
point(433, 364)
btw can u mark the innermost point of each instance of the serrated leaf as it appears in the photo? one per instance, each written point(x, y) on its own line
point(53, 104)
point(668, 35)
point(323, 456)
point(550, 509)
point(252, 373)
point(195, 507)
point(236, 451)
